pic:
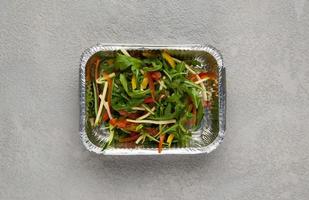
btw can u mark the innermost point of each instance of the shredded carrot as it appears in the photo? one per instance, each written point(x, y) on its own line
point(162, 137)
point(151, 85)
point(105, 116)
point(89, 67)
point(88, 72)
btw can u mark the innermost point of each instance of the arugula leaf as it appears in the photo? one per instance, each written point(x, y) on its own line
point(168, 109)
point(193, 95)
point(175, 97)
point(180, 67)
point(156, 65)
point(106, 67)
point(173, 128)
point(122, 104)
point(139, 93)
point(124, 82)
point(122, 62)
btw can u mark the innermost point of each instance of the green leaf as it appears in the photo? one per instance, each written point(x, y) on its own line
point(167, 74)
point(168, 109)
point(194, 96)
point(123, 62)
point(106, 68)
point(124, 82)
point(180, 67)
point(156, 65)
point(122, 104)
point(175, 97)
point(173, 128)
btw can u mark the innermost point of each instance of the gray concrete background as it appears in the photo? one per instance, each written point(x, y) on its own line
point(265, 154)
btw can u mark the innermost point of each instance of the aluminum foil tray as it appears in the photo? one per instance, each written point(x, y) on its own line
point(204, 140)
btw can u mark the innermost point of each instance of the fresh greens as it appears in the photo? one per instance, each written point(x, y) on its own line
point(146, 99)
point(122, 62)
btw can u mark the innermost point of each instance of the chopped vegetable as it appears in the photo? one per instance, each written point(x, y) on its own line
point(133, 82)
point(162, 137)
point(151, 85)
point(151, 98)
point(170, 139)
point(169, 59)
point(144, 82)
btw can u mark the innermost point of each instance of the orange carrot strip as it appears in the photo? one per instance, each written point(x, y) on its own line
point(162, 137)
point(151, 85)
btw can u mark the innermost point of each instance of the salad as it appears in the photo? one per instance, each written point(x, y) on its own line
point(147, 97)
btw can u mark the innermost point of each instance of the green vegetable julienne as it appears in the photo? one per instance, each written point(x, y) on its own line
point(146, 100)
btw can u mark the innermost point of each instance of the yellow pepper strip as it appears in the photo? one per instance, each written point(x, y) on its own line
point(170, 139)
point(144, 83)
point(169, 59)
point(133, 82)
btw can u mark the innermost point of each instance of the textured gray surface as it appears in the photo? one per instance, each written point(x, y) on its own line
point(265, 154)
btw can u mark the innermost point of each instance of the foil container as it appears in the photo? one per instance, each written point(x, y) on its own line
point(204, 140)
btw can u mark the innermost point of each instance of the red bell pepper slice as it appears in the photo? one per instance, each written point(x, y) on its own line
point(120, 123)
point(155, 75)
point(105, 116)
point(210, 75)
point(149, 100)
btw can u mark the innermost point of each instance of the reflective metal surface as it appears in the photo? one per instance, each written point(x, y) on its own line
point(204, 140)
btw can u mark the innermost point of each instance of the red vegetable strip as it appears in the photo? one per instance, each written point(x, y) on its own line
point(210, 75)
point(149, 100)
point(162, 137)
point(123, 112)
point(156, 75)
point(134, 115)
point(192, 77)
point(129, 115)
point(113, 121)
point(120, 123)
point(151, 85)
point(105, 116)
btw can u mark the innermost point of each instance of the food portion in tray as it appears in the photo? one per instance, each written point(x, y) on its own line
point(148, 98)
